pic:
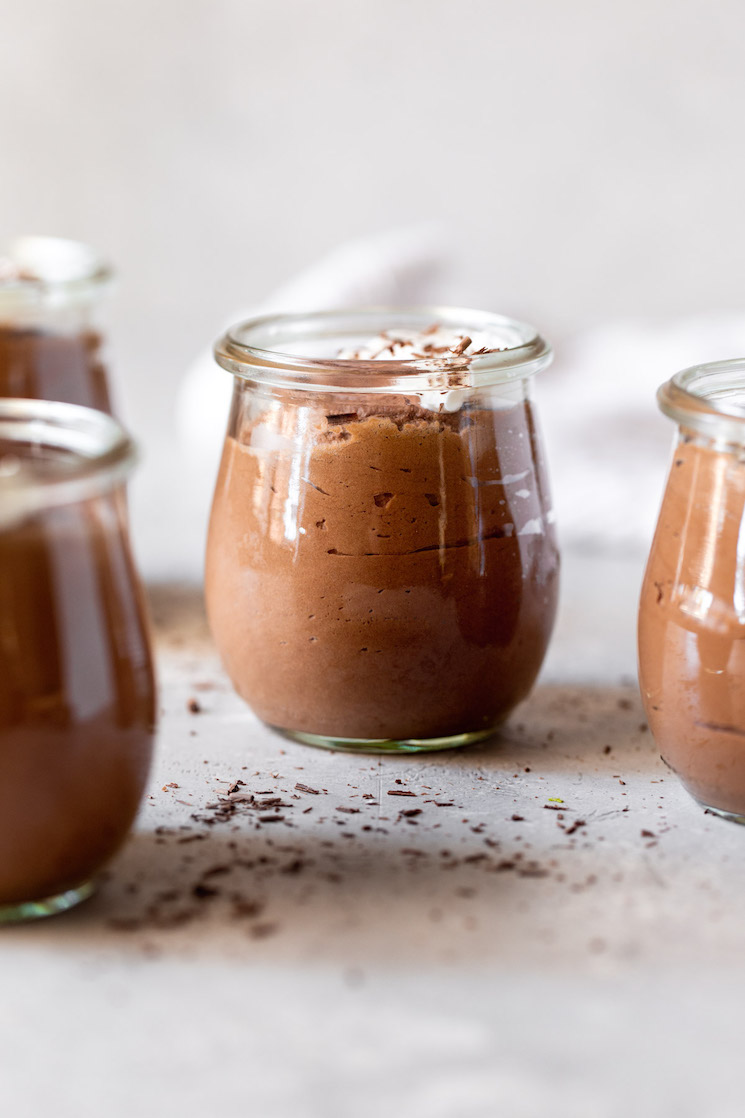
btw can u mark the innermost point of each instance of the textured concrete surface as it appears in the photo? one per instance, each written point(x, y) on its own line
point(545, 923)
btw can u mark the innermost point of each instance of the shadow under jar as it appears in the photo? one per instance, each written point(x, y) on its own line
point(77, 695)
point(381, 563)
point(50, 342)
point(692, 608)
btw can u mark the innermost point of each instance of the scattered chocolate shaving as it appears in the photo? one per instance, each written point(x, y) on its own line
point(306, 788)
point(246, 908)
point(399, 792)
point(262, 931)
point(532, 870)
point(194, 706)
point(203, 892)
point(215, 871)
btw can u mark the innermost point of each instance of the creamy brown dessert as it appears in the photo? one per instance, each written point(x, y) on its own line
point(692, 626)
point(49, 289)
point(76, 694)
point(40, 364)
point(380, 570)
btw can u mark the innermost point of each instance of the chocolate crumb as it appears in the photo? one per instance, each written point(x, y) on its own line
point(203, 892)
point(262, 931)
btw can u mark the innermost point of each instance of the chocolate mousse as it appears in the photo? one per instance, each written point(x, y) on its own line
point(383, 568)
point(76, 694)
point(692, 626)
point(37, 364)
point(48, 349)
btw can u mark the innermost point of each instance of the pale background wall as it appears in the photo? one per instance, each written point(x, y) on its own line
point(587, 154)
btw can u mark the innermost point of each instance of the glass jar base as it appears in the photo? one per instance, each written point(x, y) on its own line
point(386, 745)
point(732, 816)
point(49, 906)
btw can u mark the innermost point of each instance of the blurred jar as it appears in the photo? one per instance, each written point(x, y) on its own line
point(50, 340)
point(77, 696)
point(692, 610)
point(381, 562)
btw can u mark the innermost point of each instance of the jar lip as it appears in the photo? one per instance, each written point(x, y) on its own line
point(253, 349)
point(91, 454)
point(709, 397)
point(42, 270)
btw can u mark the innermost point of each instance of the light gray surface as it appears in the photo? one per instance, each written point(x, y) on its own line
point(598, 973)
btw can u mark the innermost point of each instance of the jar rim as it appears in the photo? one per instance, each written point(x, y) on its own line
point(709, 398)
point(58, 271)
point(91, 455)
point(253, 350)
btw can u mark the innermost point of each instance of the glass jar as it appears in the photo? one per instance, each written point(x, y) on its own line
point(381, 563)
point(692, 609)
point(77, 696)
point(50, 341)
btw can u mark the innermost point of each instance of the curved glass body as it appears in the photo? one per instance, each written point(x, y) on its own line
point(77, 695)
point(381, 563)
point(692, 608)
point(50, 339)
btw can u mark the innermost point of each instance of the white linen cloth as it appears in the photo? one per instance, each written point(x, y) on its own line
point(608, 444)
point(399, 268)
